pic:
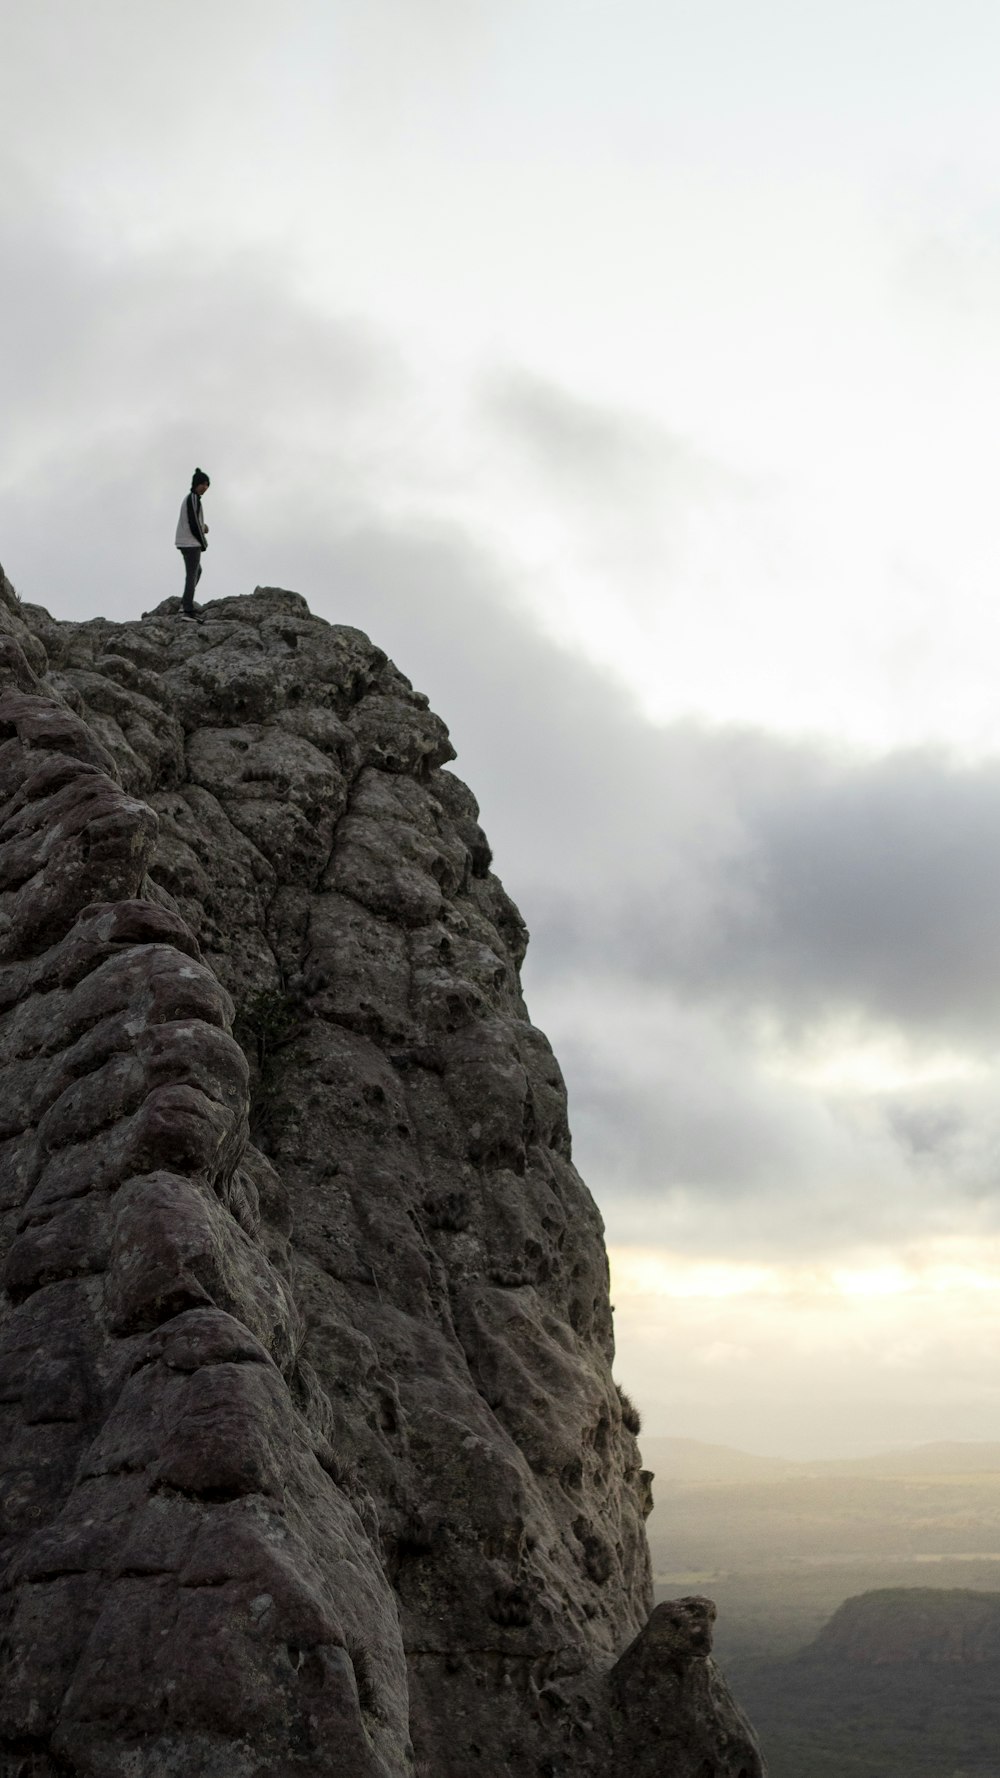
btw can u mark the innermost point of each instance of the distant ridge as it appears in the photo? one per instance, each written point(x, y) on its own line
point(968, 1457)
point(899, 1683)
point(690, 1460)
point(895, 1626)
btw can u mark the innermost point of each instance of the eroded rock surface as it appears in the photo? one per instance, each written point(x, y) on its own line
point(311, 1461)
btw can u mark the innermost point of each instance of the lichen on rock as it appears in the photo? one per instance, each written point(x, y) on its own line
point(311, 1457)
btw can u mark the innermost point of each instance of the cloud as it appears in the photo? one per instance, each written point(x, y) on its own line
point(805, 883)
point(795, 1366)
point(120, 106)
point(583, 444)
point(713, 907)
point(697, 1145)
point(627, 515)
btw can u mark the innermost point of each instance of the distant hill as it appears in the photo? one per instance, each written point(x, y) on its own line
point(901, 1683)
point(955, 1458)
point(689, 1460)
point(897, 1626)
point(845, 1668)
point(780, 1545)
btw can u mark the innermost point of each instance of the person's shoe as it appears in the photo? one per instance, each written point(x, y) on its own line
point(189, 615)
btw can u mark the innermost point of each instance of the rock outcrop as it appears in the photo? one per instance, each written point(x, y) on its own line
point(311, 1461)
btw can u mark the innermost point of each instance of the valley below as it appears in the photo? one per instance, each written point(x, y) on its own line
point(911, 1538)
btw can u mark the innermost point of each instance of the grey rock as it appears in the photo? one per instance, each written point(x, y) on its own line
point(311, 1460)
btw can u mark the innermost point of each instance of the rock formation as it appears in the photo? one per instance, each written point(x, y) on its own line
point(311, 1461)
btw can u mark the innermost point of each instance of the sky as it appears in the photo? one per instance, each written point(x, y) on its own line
point(629, 372)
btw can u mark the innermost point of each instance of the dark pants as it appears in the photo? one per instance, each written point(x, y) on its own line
point(192, 575)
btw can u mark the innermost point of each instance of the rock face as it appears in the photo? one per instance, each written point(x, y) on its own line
point(311, 1461)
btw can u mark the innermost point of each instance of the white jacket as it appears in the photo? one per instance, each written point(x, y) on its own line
point(186, 537)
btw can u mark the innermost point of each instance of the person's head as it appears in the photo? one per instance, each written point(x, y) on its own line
point(199, 482)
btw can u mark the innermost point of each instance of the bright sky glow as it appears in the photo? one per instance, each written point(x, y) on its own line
point(942, 1269)
point(869, 1064)
point(858, 1359)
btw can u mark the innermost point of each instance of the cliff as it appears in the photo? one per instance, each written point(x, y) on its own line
point(311, 1461)
point(904, 1626)
point(901, 1682)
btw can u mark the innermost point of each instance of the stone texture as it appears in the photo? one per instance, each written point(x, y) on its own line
point(311, 1460)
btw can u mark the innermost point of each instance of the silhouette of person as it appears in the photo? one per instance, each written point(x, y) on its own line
point(192, 539)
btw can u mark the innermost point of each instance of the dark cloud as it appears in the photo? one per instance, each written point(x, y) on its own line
point(816, 885)
point(699, 1146)
point(635, 501)
point(575, 440)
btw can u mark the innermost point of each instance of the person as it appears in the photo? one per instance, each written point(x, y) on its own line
point(192, 539)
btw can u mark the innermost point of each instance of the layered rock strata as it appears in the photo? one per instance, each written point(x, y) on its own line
point(311, 1461)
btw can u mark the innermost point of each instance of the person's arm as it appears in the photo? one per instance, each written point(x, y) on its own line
point(194, 522)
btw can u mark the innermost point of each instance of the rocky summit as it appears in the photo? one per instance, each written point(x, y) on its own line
point(311, 1460)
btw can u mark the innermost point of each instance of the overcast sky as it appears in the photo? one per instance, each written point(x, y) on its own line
point(630, 372)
